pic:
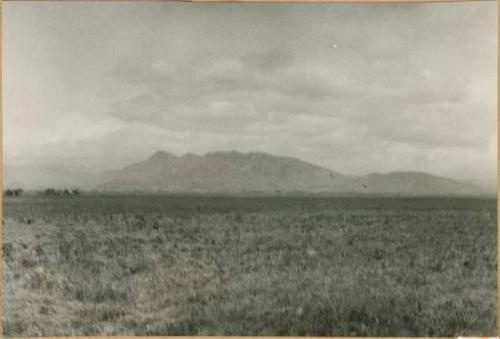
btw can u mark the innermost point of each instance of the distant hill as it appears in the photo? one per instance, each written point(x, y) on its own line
point(415, 183)
point(235, 172)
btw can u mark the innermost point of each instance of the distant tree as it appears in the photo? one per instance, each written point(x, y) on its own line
point(75, 192)
point(66, 192)
point(17, 192)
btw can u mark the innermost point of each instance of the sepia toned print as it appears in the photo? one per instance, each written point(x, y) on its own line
point(249, 169)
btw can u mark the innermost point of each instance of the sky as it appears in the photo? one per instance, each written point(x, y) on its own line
point(357, 88)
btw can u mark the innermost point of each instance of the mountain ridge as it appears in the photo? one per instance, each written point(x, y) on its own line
point(236, 172)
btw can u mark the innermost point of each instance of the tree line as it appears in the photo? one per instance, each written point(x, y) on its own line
point(17, 192)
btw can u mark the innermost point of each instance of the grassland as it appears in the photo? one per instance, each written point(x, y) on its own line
point(164, 265)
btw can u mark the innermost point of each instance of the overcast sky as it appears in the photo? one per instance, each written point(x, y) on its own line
point(357, 88)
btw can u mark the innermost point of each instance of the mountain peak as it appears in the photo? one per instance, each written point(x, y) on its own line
point(159, 158)
point(162, 155)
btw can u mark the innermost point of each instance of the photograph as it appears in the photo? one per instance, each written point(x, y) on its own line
point(249, 169)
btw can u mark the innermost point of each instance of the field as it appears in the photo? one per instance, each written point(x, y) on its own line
point(181, 265)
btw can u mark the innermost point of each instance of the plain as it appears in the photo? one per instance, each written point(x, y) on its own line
point(215, 265)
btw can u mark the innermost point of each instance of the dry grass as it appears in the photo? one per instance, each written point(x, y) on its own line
point(158, 265)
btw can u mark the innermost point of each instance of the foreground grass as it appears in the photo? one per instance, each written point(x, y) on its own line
point(125, 265)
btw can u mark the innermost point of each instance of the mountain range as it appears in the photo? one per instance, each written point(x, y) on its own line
point(239, 173)
point(235, 172)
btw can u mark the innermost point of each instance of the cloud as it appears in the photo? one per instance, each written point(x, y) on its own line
point(354, 87)
point(270, 60)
